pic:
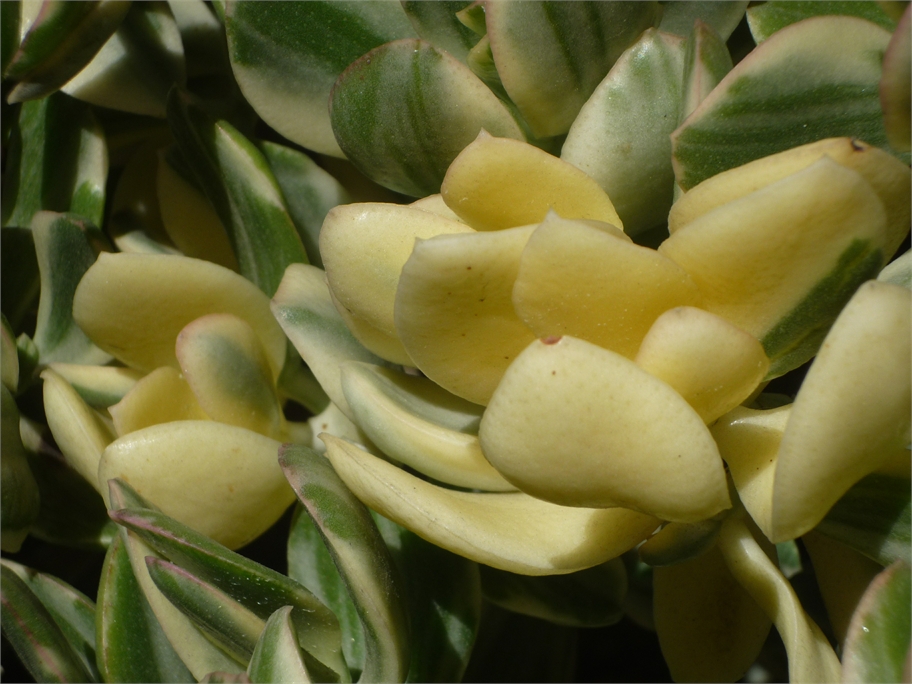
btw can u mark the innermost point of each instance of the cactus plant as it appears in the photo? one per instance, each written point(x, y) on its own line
point(441, 341)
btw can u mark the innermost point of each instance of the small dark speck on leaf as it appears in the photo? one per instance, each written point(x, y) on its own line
point(551, 339)
point(856, 146)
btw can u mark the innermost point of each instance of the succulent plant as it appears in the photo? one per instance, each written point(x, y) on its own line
point(416, 341)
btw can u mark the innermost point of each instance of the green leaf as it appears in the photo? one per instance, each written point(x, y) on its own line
point(575, 44)
point(34, 634)
point(136, 68)
point(678, 17)
point(767, 18)
point(20, 495)
point(64, 255)
point(816, 79)
point(309, 191)
point(255, 588)
point(227, 623)
point(239, 183)
point(588, 598)
point(62, 40)
point(361, 557)
point(286, 57)
point(878, 641)
point(277, 656)
point(57, 160)
point(620, 137)
point(73, 612)
point(706, 62)
point(438, 24)
point(404, 111)
point(310, 563)
point(789, 558)
point(132, 646)
point(874, 518)
point(9, 359)
point(443, 593)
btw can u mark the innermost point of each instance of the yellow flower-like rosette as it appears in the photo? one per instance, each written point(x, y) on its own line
point(580, 391)
point(195, 422)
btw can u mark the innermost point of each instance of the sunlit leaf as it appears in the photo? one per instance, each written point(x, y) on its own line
point(764, 20)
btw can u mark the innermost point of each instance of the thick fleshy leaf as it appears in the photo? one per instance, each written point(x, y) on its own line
point(21, 499)
point(225, 365)
point(221, 479)
point(287, 56)
point(37, 638)
point(643, 447)
point(80, 432)
point(137, 66)
point(277, 656)
point(843, 575)
point(64, 255)
point(708, 361)
point(877, 645)
point(57, 161)
point(887, 176)
point(874, 518)
point(852, 414)
point(764, 20)
point(709, 627)
point(895, 91)
point(498, 183)
point(310, 563)
point(749, 440)
point(243, 190)
point(575, 44)
point(188, 217)
point(592, 282)
point(364, 247)
point(21, 281)
point(227, 623)
point(73, 612)
point(706, 59)
point(588, 598)
point(9, 358)
point(416, 422)
point(454, 309)
point(620, 137)
point(63, 38)
point(363, 561)
point(811, 658)
point(122, 311)
point(511, 531)
point(815, 79)
point(193, 648)
point(303, 307)
point(253, 587)
point(160, 397)
point(132, 646)
point(309, 191)
point(723, 17)
point(438, 23)
point(405, 110)
point(781, 262)
point(443, 595)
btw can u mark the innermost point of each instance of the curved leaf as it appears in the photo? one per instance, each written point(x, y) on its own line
point(574, 43)
point(287, 55)
point(438, 23)
point(360, 555)
point(132, 646)
point(277, 656)
point(678, 17)
point(63, 38)
point(405, 110)
point(813, 80)
point(764, 20)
